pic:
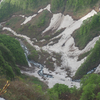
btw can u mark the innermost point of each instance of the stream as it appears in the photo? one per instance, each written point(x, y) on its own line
point(40, 66)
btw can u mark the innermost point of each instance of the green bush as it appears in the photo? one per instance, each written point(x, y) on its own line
point(90, 87)
point(58, 5)
point(77, 4)
point(34, 55)
point(9, 7)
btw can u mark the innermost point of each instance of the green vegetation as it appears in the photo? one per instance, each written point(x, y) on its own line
point(89, 90)
point(58, 5)
point(71, 5)
point(90, 87)
point(35, 27)
point(42, 19)
point(81, 56)
point(89, 29)
point(63, 92)
point(92, 61)
point(34, 55)
point(77, 4)
point(11, 54)
point(14, 46)
point(19, 90)
point(25, 88)
point(9, 7)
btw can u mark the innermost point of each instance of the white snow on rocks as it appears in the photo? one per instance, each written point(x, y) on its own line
point(46, 8)
point(22, 16)
point(2, 98)
point(58, 78)
point(19, 35)
point(55, 22)
point(97, 69)
point(99, 9)
point(27, 19)
point(66, 45)
point(60, 21)
point(1, 1)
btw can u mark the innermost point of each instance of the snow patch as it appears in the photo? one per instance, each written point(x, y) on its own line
point(2, 98)
point(58, 78)
point(42, 40)
point(55, 22)
point(25, 37)
point(22, 16)
point(97, 69)
point(46, 8)
point(66, 44)
point(1, 1)
point(54, 59)
point(27, 19)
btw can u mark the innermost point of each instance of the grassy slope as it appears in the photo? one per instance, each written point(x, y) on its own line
point(89, 30)
point(89, 90)
point(92, 61)
point(75, 8)
point(10, 7)
point(24, 88)
point(82, 36)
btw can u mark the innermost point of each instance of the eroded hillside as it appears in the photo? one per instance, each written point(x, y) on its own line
point(61, 35)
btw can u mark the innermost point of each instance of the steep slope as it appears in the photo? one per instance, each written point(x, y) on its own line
point(11, 54)
point(49, 32)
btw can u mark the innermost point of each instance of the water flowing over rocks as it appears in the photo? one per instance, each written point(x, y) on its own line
point(40, 72)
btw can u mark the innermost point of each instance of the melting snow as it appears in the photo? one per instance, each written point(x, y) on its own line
point(22, 16)
point(55, 21)
point(1, 1)
point(65, 46)
point(98, 69)
point(19, 35)
point(46, 8)
point(2, 98)
point(27, 19)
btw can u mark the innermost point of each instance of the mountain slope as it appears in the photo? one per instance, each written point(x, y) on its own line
point(56, 36)
point(11, 54)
